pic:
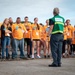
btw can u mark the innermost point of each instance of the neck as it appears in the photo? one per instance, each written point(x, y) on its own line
point(18, 23)
point(56, 14)
point(26, 21)
point(68, 24)
point(35, 23)
point(46, 24)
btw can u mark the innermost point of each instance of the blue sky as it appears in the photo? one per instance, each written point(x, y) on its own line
point(36, 8)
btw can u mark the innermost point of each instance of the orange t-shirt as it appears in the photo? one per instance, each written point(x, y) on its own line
point(73, 41)
point(41, 34)
point(35, 32)
point(28, 30)
point(70, 31)
point(65, 33)
point(46, 30)
point(18, 31)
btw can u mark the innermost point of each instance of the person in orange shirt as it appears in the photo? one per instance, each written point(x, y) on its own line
point(45, 39)
point(69, 36)
point(35, 36)
point(73, 41)
point(27, 36)
point(18, 31)
point(64, 48)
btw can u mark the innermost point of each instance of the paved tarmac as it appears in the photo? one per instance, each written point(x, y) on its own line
point(37, 67)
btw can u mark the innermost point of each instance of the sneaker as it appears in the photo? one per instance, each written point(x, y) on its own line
point(38, 56)
point(32, 57)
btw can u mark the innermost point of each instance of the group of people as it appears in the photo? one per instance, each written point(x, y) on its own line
point(57, 37)
point(69, 39)
point(18, 34)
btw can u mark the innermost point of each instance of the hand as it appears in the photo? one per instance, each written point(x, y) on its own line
point(31, 39)
point(48, 34)
point(8, 31)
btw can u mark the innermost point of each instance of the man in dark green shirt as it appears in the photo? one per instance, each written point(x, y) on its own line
point(56, 30)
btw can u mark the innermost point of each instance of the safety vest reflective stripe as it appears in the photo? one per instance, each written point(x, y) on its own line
point(57, 32)
point(59, 23)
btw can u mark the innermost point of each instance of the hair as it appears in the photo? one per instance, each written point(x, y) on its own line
point(4, 22)
point(18, 18)
point(47, 20)
point(67, 20)
point(10, 18)
point(26, 17)
point(56, 11)
point(10, 22)
point(37, 23)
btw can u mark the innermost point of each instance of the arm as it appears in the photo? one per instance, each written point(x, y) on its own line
point(51, 28)
point(51, 23)
point(8, 31)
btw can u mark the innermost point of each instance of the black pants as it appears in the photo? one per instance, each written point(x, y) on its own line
point(56, 47)
point(29, 43)
point(64, 45)
point(72, 48)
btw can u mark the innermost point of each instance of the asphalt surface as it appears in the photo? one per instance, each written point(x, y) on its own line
point(37, 67)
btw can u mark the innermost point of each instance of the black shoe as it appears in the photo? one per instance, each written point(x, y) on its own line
point(0, 55)
point(48, 56)
point(7, 58)
point(13, 58)
point(28, 56)
point(9, 55)
point(3, 58)
point(59, 65)
point(44, 56)
point(52, 65)
point(24, 58)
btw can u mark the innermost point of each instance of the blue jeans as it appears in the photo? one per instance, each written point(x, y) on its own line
point(56, 48)
point(5, 42)
point(18, 44)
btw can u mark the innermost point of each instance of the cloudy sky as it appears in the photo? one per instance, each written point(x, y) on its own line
point(36, 8)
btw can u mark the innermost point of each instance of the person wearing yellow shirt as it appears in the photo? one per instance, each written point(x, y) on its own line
point(69, 36)
point(73, 41)
point(27, 36)
point(45, 39)
point(18, 31)
point(47, 27)
point(64, 48)
point(35, 37)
